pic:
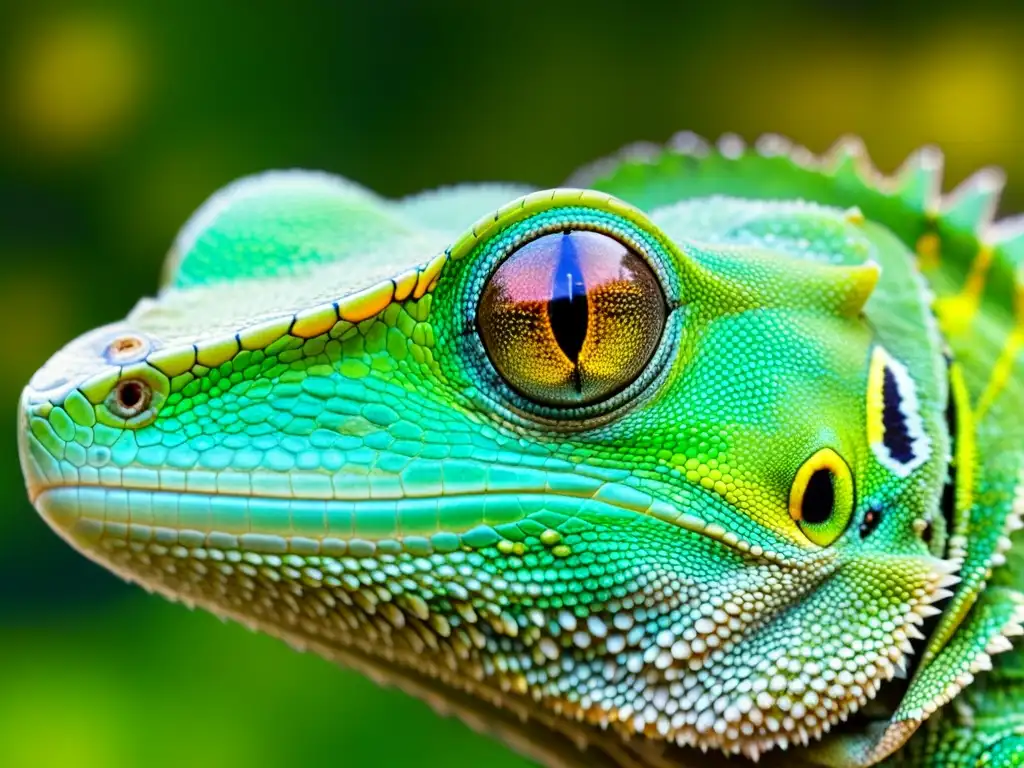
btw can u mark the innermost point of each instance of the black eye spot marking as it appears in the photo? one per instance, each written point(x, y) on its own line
point(871, 520)
point(895, 427)
point(948, 503)
point(896, 436)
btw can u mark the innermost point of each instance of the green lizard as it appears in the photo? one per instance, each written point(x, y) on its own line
point(716, 448)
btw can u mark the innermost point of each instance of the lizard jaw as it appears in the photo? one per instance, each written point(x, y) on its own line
point(186, 564)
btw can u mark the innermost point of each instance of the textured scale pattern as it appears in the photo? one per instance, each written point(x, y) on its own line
point(309, 430)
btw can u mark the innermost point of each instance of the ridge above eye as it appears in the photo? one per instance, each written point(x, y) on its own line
point(570, 318)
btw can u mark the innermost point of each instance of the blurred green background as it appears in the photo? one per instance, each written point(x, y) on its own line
point(118, 119)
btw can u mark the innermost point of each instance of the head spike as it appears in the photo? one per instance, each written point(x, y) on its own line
point(860, 282)
point(842, 289)
point(849, 157)
point(972, 205)
point(918, 182)
point(731, 146)
point(690, 144)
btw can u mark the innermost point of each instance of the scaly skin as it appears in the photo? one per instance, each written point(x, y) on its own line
point(587, 516)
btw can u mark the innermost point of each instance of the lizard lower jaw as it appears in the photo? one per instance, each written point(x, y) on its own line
point(345, 574)
point(310, 571)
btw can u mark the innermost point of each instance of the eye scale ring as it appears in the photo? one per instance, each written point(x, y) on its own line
point(822, 497)
point(570, 318)
point(131, 400)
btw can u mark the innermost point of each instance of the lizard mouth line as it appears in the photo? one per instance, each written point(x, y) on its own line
point(471, 518)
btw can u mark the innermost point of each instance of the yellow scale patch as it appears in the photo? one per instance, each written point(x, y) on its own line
point(928, 251)
point(1003, 369)
point(956, 312)
point(416, 282)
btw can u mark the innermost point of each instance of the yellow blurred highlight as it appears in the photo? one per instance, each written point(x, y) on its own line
point(955, 86)
point(961, 87)
point(74, 83)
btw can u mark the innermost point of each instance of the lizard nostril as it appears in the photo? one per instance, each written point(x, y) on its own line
point(127, 348)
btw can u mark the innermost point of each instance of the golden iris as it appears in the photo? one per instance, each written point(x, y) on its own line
point(571, 318)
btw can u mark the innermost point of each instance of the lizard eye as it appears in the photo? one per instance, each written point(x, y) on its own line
point(133, 401)
point(130, 398)
point(821, 500)
point(571, 318)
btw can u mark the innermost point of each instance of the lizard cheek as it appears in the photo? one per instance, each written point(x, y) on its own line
point(571, 318)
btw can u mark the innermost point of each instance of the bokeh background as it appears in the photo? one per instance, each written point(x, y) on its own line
point(118, 119)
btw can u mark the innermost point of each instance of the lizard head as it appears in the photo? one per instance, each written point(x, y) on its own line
point(660, 474)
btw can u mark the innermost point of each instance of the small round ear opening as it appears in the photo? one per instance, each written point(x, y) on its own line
point(821, 499)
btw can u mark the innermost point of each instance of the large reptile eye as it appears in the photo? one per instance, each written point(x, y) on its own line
point(822, 498)
point(129, 398)
point(571, 318)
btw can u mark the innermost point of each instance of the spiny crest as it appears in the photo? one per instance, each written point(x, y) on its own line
point(970, 207)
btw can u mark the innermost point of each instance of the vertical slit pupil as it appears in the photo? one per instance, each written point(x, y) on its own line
point(819, 497)
point(567, 308)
